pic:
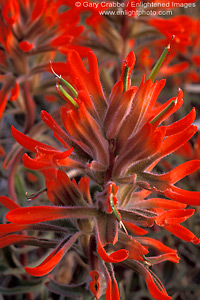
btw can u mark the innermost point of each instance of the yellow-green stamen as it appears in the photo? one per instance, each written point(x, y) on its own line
point(125, 79)
point(114, 209)
point(62, 90)
point(163, 112)
point(66, 83)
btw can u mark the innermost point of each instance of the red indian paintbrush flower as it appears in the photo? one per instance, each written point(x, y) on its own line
point(31, 34)
point(117, 143)
point(28, 29)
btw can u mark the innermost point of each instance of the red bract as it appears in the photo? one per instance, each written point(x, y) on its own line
point(117, 143)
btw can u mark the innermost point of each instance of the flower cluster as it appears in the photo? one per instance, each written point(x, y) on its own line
point(97, 189)
point(31, 33)
point(116, 143)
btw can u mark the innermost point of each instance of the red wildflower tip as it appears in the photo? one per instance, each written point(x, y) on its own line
point(54, 258)
point(174, 216)
point(10, 11)
point(94, 284)
point(127, 68)
point(38, 9)
point(11, 228)
point(157, 293)
point(36, 214)
point(182, 233)
point(46, 156)
point(8, 203)
point(14, 92)
point(115, 257)
point(154, 285)
point(173, 257)
point(150, 242)
point(2, 151)
point(183, 27)
point(112, 291)
point(26, 46)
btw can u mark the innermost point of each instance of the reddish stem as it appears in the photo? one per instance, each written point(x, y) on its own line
point(30, 107)
point(11, 176)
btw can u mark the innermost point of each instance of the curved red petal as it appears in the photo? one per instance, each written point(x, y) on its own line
point(61, 40)
point(159, 203)
point(155, 244)
point(28, 142)
point(14, 92)
point(51, 123)
point(53, 259)
point(2, 151)
point(12, 239)
point(183, 196)
point(38, 9)
point(10, 11)
point(3, 102)
point(174, 69)
point(8, 203)
point(178, 101)
point(36, 214)
point(10, 228)
point(174, 216)
point(154, 285)
point(35, 164)
point(182, 233)
point(62, 155)
point(181, 124)
point(134, 228)
point(153, 289)
point(115, 257)
point(173, 142)
point(180, 172)
point(112, 291)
